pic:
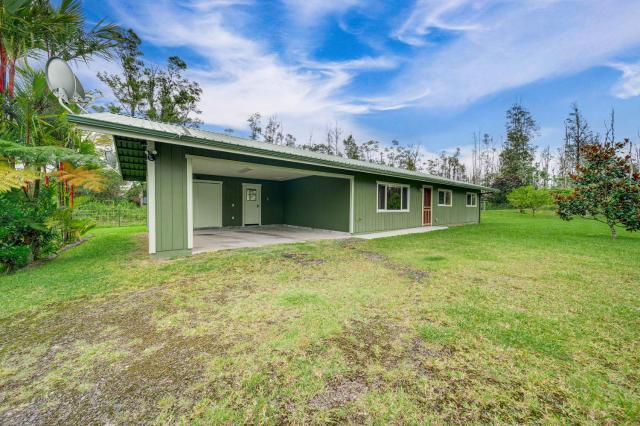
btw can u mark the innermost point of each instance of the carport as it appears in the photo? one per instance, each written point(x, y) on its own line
point(205, 240)
point(233, 204)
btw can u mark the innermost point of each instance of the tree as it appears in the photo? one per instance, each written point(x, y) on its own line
point(128, 88)
point(290, 140)
point(516, 158)
point(370, 150)
point(36, 140)
point(448, 166)
point(351, 148)
point(543, 167)
point(577, 134)
point(333, 140)
point(28, 27)
point(150, 91)
point(273, 131)
point(605, 188)
point(410, 157)
point(255, 126)
point(528, 197)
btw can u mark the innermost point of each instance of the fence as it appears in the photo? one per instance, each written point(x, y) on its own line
point(112, 214)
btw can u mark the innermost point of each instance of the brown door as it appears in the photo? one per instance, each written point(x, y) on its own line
point(426, 206)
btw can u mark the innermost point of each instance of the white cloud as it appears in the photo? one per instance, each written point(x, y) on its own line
point(494, 46)
point(240, 75)
point(629, 84)
point(451, 15)
point(502, 45)
point(312, 12)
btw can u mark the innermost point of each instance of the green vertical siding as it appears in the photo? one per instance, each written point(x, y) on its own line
point(171, 198)
point(272, 199)
point(458, 213)
point(367, 219)
point(318, 202)
point(314, 201)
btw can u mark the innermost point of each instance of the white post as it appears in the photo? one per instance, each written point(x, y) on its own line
point(151, 199)
point(189, 203)
point(351, 204)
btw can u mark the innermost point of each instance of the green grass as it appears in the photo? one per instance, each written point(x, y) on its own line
point(518, 320)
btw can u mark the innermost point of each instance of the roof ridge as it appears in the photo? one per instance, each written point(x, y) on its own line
point(251, 143)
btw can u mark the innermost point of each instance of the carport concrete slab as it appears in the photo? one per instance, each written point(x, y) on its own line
point(395, 233)
point(205, 240)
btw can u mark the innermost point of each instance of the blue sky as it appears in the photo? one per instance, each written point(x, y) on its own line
point(424, 72)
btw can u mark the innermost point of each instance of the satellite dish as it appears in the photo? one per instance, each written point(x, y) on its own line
point(79, 95)
point(63, 83)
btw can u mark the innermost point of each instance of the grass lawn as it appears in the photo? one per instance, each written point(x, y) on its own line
point(519, 319)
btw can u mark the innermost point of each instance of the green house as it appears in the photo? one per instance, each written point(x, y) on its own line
point(198, 179)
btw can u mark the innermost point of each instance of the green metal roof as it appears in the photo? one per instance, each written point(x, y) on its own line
point(131, 158)
point(129, 131)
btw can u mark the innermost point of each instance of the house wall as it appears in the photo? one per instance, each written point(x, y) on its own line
point(318, 202)
point(272, 200)
point(171, 199)
point(458, 213)
point(368, 219)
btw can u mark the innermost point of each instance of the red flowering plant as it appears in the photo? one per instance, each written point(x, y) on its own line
point(606, 188)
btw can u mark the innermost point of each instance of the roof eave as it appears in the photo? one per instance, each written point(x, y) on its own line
point(91, 124)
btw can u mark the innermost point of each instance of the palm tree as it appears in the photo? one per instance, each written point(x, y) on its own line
point(30, 27)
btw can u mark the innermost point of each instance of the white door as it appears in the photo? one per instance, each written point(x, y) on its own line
point(251, 201)
point(207, 208)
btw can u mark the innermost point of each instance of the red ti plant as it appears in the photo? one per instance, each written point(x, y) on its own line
point(606, 188)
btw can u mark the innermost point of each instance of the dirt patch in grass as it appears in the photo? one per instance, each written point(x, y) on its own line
point(79, 380)
point(414, 274)
point(339, 392)
point(303, 258)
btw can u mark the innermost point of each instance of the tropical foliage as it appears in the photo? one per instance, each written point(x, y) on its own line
point(43, 159)
point(606, 188)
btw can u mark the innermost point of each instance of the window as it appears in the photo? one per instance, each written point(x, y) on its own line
point(472, 199)
point(252, 194)
point(445, 197)
point(393, 197)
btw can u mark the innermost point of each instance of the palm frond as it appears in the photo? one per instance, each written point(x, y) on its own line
point(11, 178)
point(82, 177)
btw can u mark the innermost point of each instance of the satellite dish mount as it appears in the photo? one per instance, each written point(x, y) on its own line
point(64, 84)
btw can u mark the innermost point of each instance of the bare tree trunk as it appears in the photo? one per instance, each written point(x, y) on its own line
point(12, 77)
point(614, 234)
point(3, 67)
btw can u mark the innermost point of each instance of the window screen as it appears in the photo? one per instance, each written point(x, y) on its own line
point(381, 196)
point(393, 197)
point(405, 198)
point(471, 200)
point(444, 197)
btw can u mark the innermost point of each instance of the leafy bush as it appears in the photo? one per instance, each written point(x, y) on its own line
point(528, 197)
point(72, 229)
point(24, 235)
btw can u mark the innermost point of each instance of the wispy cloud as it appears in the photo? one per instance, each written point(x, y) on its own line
point(629, 84)
point(504, 44)
point(449, 15)
point(240, 75)
point(433, 54)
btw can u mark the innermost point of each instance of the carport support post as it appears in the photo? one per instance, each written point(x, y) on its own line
point(151, 199)
point(189, 203)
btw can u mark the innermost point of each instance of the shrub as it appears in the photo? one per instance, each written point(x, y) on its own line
point(528, 197)
point(24, 235)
